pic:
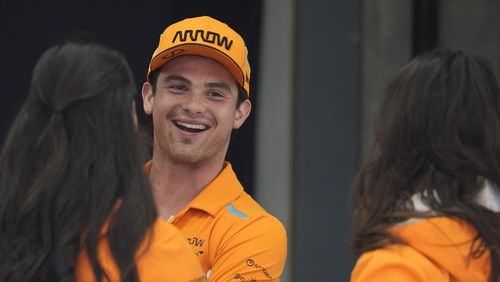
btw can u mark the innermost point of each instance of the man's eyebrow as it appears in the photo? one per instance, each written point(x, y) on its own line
point(220, 85)
point(177, 77)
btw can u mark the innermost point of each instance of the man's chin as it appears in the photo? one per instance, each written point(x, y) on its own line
point(185, 157)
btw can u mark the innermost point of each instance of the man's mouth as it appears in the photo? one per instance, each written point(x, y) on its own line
point(190, 127)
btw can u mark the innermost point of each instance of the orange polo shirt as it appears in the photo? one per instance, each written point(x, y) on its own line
point(234, 238)
point(436, 250)
point(164, 258)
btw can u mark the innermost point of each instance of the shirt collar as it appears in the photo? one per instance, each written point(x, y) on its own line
point(488, 197)
point(223, 189)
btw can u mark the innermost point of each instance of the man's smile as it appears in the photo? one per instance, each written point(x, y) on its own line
point(190, 127)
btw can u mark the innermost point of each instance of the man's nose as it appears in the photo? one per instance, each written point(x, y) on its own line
point(194, 103)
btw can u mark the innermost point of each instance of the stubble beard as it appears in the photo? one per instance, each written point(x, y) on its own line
point(187, 152)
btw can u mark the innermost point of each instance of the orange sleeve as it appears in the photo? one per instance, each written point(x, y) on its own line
point(249, 251)
point(396, 263)
point(167, 257)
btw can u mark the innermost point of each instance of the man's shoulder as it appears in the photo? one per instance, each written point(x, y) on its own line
point(247, 241)
point(245, 213)
point(244, 207)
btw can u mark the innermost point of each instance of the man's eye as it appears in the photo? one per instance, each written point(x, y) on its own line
point(178, 87)
point(215, 94)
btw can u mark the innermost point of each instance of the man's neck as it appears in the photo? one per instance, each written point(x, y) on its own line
point(175, 185)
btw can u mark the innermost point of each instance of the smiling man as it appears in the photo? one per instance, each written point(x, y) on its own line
point(198, 93)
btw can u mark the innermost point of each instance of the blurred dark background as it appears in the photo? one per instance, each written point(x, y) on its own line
point(28, 28)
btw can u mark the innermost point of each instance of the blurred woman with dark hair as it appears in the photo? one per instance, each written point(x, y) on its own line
point(75, 204)
point(428, 200)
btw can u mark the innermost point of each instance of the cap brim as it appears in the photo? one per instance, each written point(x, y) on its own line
point(198, 50)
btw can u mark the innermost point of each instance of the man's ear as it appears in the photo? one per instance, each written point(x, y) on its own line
point(147, 97)
point(242, 113)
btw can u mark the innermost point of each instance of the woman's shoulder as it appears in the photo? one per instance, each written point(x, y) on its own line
point(396, 263)
point(164, 255)
point(434, 249)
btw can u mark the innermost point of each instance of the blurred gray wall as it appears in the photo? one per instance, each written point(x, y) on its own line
point(275, 117)
point(472, 26)
point(385, 47)
point(306, 130)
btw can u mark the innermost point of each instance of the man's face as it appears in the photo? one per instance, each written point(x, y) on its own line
point(194, 110)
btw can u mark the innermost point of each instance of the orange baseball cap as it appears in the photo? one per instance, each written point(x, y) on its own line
point(207, 37)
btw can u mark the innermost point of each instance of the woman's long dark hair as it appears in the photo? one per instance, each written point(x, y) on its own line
point(438, 132)
point(71, 164)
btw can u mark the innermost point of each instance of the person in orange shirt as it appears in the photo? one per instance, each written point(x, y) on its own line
point(428, 200)
point(75, 203)
point(197, 91)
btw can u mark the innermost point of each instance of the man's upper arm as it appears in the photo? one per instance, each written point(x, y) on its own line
point(249, 250)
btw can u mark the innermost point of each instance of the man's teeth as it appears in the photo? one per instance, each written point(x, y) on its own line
point(192, 126)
